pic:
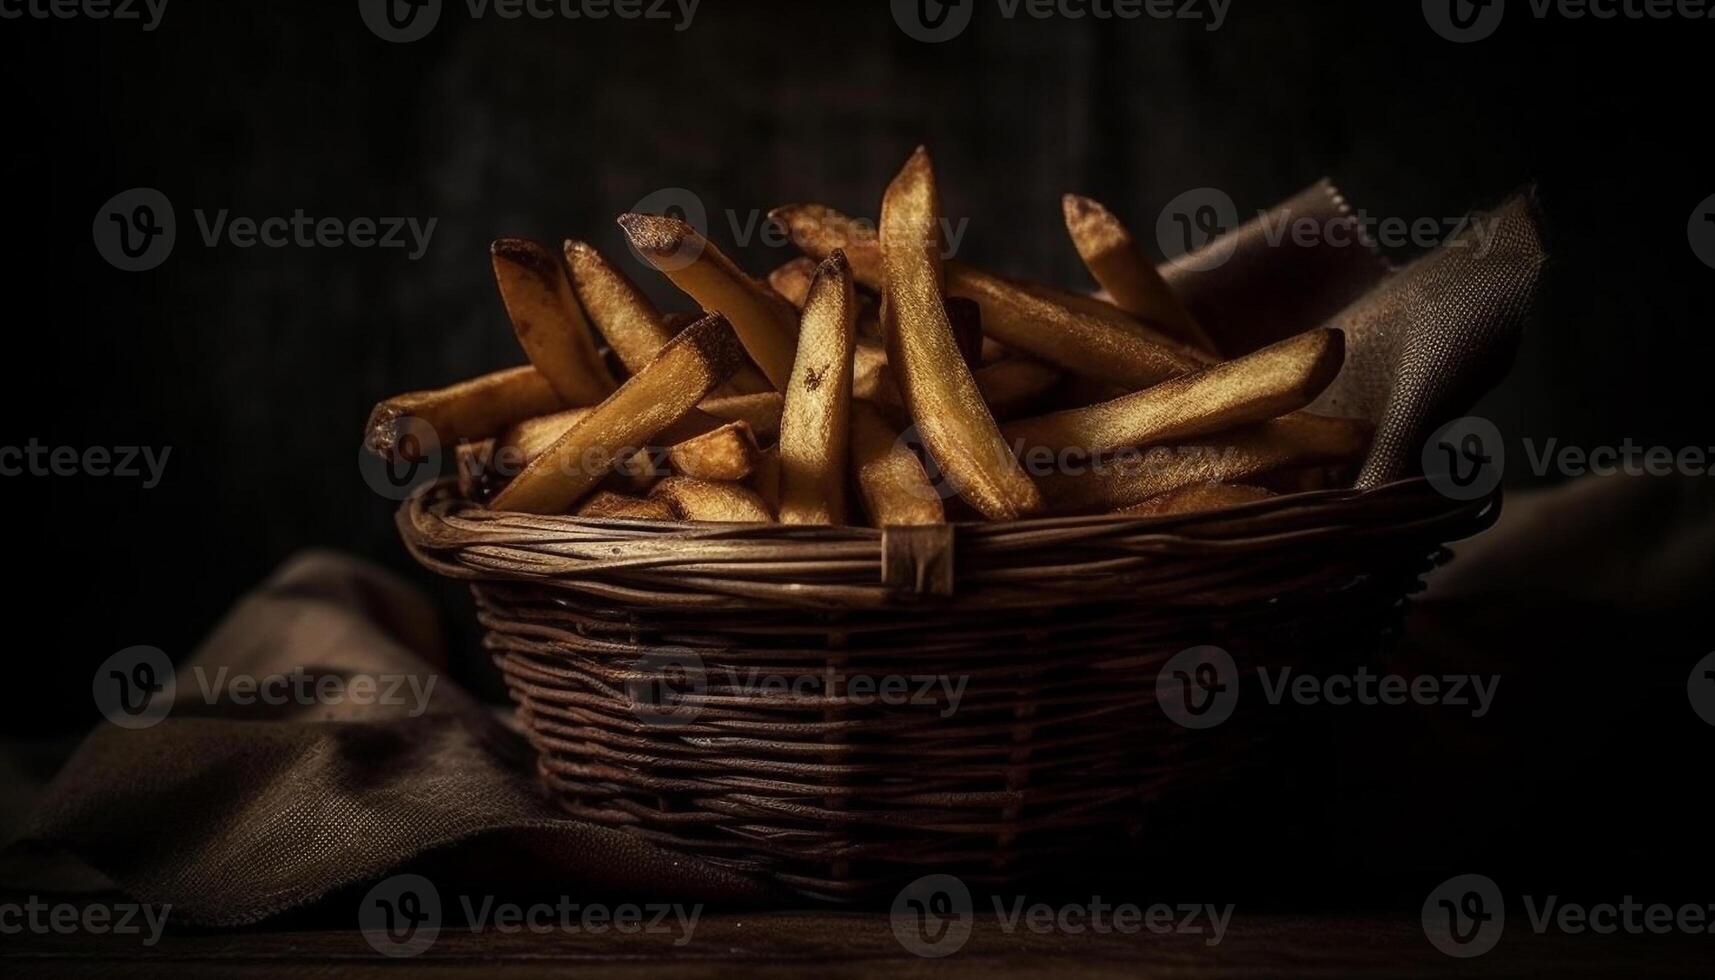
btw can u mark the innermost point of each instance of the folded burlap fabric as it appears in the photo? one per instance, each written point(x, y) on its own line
point(235, 812)
point(1422, 343)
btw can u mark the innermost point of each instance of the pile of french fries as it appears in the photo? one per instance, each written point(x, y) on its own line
point(871, 381)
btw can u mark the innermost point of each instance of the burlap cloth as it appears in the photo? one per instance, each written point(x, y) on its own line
point(237, 813)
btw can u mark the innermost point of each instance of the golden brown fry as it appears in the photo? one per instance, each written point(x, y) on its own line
point(1255, 388)
point(943, 397)
point(707, 500)
point(815, 428)
point(667, 389)
point(1038, 321)
point(1231, 457)
point(1095, 306)
point(761, 412)
point(895, 488)
point(549, 322)
point(411, 425)
point(726, 453)
point(1196, 499)
point(526, 440)
point(520, 444)
point(1100, 309)
point(869, 371)
point(1114, 348)
point(792, 280)
point(615, 506)
point(766, 480)
point(1116, 262)
point(763, 321)
point(629, 322)
point(819, 230)
point(621, 313)
point(1011, 388)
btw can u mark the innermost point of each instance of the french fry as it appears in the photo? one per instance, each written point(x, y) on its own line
point(628, 321)
point(1011, 388)
point(763, 321)
point(1261, 386)
point(1116, 262)
point(766, 478)
point(621, 313)
point(697, 442)
point(615, 506)
point(520, 444)
point(1113, 349)
point(472, 410)
point(869, 370)
point(761, 412)
point(666, 390)
point(792, 280)
point(1104, 311)
point(1095, 306)
point(1232, 457)
point(937, 385)
point(815, 427)
point(726, 453)
point(1196, 499)
point(819, 230)
point(526, 440)
point(895, 488)
point(1106, 347)
point(712, 502)
point(549, 322)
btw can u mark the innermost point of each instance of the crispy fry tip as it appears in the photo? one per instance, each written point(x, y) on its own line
point(526, 254)
point(655, 234)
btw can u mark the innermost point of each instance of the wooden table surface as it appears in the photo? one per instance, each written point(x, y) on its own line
point(831, 945)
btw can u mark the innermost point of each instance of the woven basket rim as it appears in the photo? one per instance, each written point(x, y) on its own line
point(682, 564)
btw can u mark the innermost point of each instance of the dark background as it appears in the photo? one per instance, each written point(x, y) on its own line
point(259, 366)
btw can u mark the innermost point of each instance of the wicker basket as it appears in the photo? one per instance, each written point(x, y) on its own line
point(734, 692)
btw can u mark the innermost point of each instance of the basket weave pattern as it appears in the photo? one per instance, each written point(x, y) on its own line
point(841, 709)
